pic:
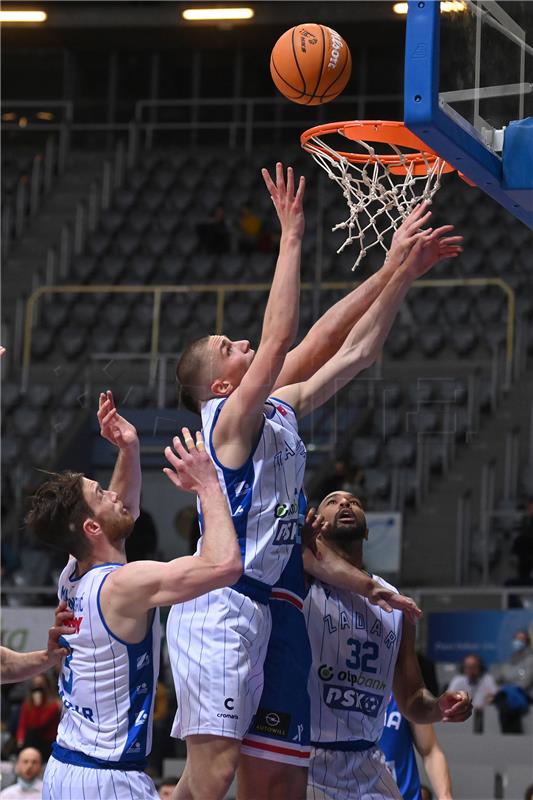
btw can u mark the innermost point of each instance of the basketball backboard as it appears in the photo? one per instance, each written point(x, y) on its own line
point(468, 74)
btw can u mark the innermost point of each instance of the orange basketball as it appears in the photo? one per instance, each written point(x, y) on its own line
point(310, 64)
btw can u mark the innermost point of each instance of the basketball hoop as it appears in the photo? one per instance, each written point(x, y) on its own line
point(380, 188)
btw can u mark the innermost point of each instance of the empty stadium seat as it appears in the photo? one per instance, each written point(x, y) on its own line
point(463, 340)
point(365, 451)
point(26, 421)
point(401, 451)
point(377, 483)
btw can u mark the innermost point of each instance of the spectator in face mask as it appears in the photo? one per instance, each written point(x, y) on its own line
point(28, 771)
point(39, 717)
point(516, 684)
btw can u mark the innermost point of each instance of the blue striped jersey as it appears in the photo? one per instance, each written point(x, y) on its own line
point(263, 494)
point(107, 686)
point(397, 745)
point(354, 646)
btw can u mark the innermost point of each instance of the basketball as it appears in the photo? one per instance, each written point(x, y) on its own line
point(310, 64)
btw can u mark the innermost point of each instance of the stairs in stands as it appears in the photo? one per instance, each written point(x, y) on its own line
point(26, 261)
point(429, 538)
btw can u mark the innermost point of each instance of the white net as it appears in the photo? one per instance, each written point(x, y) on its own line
point(378, 197)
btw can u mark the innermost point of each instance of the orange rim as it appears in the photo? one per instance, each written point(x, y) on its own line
point(386, 132)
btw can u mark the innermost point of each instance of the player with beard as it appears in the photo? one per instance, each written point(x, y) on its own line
point(360, 655)
point(108, 680)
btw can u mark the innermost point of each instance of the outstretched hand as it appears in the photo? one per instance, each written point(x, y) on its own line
point(408, 233)
point(455, 706)
point(387, 599)
point(113, 427)
point(288, 204)
point(314, 526)
point(432, 246)
point(191, 469)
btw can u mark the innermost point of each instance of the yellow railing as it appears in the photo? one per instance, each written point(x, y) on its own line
point(220, 290)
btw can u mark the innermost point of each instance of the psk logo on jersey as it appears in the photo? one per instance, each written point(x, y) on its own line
point(286, 533)
point(352, 700)
point(143, 660)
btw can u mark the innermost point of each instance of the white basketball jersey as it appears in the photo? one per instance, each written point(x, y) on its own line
point(263, 494)
point(354, 646)
point(107, 686)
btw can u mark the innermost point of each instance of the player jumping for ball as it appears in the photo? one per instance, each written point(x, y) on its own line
point(217, 644)
point(108, 680)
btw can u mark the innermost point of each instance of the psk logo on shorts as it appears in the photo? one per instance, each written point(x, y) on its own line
point(346, 699)
point(272, 719)
point(142, 688)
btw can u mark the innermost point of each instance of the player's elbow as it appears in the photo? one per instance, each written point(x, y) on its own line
point(230, 570)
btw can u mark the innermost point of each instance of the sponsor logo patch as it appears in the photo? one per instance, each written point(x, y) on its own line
point(286, 533)
point(340, 697)
point(274, 723)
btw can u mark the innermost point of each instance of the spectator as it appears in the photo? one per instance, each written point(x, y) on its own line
point(165, 787)
point(28, 771)
point(249, 229)
point(475, 680)
point(340, 475)
point(142, 543)
point(214, 232)
point(515, 678)
point(39, 717)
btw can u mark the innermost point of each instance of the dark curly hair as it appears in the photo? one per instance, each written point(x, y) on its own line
point(57, 512)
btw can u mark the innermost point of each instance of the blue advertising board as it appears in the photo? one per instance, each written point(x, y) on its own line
point(453, 635)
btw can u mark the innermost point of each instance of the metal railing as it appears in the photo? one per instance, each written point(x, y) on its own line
point(30, 192)
point(221, 290)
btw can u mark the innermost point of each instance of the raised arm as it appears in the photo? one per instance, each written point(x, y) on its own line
point(126, 479)
point(242, 413)
point(137, 587)
point(435, 763)
point(414, 699)
point(329, 332)
point(365, 341)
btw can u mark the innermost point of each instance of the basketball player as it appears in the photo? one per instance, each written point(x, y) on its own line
point(275, 756)
point(398, 740)
point(108, 680)
point(359, 656)
point(21, 666)
point(217, 644)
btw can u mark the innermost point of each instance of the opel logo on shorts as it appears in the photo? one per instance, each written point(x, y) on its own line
point(272, 719)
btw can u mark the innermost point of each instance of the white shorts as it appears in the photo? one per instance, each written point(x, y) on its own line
point(217, 645)
point(340, 775)
point(68, 782)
